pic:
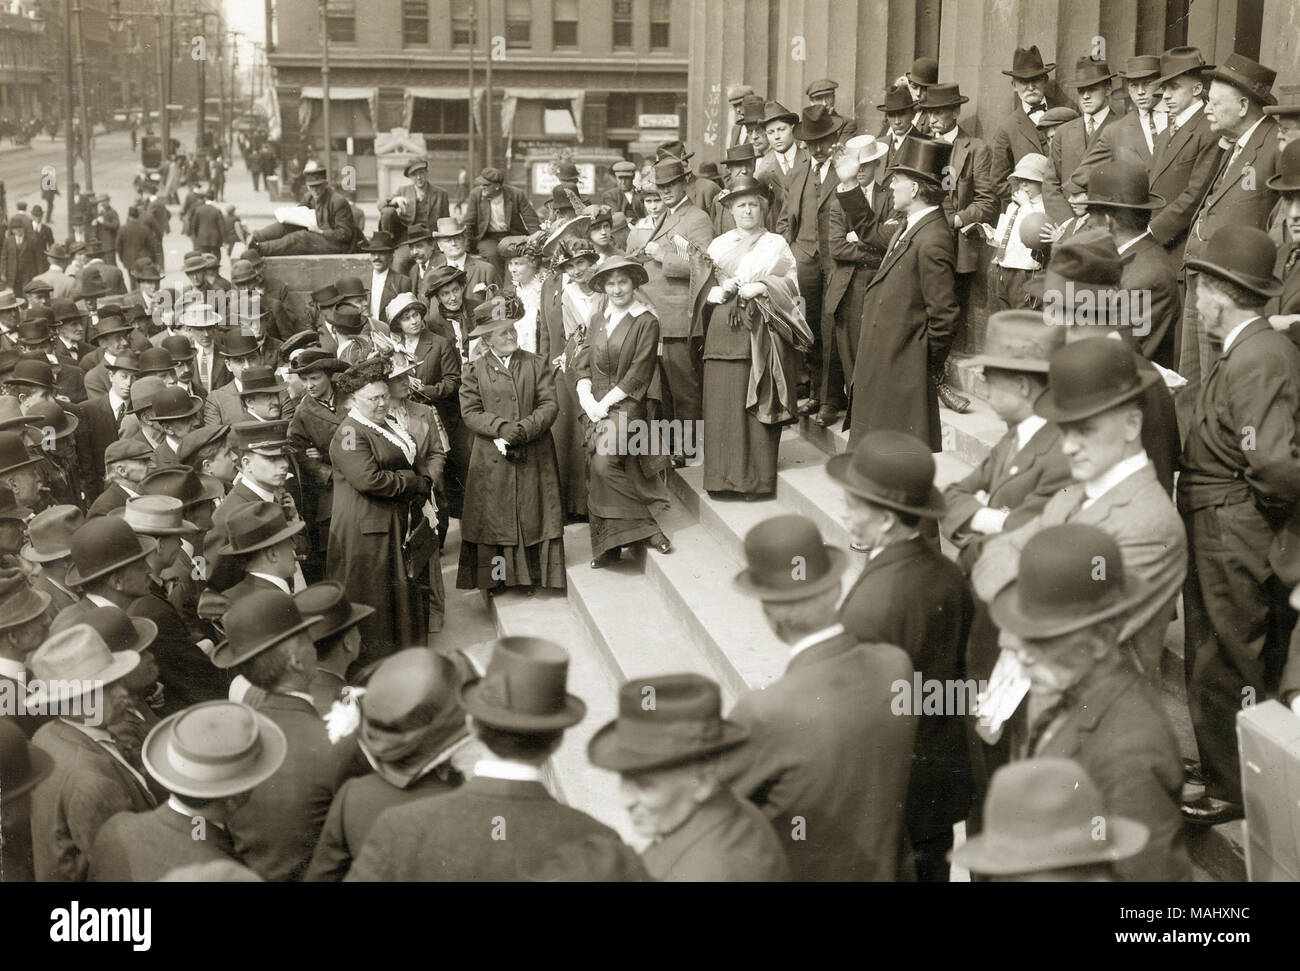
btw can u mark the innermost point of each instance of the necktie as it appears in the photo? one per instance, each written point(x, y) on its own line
point(1089, 126)
point(1151, 125)
point(119, 414)
point(1291, 259)
point(1013, 211)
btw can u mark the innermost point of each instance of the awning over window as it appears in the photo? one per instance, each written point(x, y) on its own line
point(442, 94)
point(510, 101)
point(352, 111)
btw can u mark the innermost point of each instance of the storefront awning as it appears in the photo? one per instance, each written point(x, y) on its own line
point(356, 118)
point(442, 94)
point(511, 97)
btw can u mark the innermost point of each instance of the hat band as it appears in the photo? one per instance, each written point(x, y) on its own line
point(205, 770)
point(259, 534)
point(900, 496)
point(1047, 612)
point(646, 737)
point(146, 522)
point(495, 692)
point(791, 577)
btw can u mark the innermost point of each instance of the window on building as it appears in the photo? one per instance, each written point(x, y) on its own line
point(462, 20)
point(621, 110)
point(341, 21)
point(622, 23)
point(660, 14)
point(564, 28)
point(415, 23)
point(444, 123)
point(519, 23)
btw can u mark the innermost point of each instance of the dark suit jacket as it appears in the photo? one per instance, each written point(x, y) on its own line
point(186, 673)
point(394, 283)
point(1123, 141)
point(909, 316)
point(276, 831)
point(806, 205)
point(337, 223)
point(112, 497)
point(824, 745)
point(488, 829)
point(1241, 196)
point(97, 431)
point(1117, 731)
point(853, 264)
point(882, 607)
point(138, 847)
point(434, 207)
point(521, 217)
point(1149, 270)
point(204, 226)
point(675, 280)
point(726, 840)
point(18, 264)
point(313, 425)
point(972, 196)
point(1181, 169)
point(1015, 137)
point(136, 241)
point(1068, 149)
point(87, 786)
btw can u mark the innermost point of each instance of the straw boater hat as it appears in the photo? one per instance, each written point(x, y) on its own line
point(214, 749)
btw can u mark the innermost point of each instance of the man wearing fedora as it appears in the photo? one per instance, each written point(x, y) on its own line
point(225, 404)
point(1238, 193)
point(413, 734)
point(286, 306)
point(805, 224)
point(453, 252)
point(70, 331)
point(97, 278)
point(337, 637)
point(1093, 80)
point(112, 340)
point(260, 541)
point(494, 211)
point(784, 154)
point(48, 552)
point(1042, 827)
point(25, 614)
point(267, 641)
point(888, 483)
point(1063, 615)
point(1239, 485)
point(1018, 135)
point(667, 756)
point(56, 276)
point(385, 282)
point(808, 756)
point(336, 229)
point(900, 111)
point(20, 470)
point(503, 814)
point(209, 758)
point(417, 202)
point(700, 191)
point(92, 778)
point(1134, 135)
point(1119, 200)
point(910, 310)
point(22, 766)
point(676, 274)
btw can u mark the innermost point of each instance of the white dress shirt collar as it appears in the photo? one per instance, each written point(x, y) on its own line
point(280, 582)
point(99, 601)
point(950, 136)
point(612, 316)
point(1184, 116)
point(916, 217)
point(1094, 489)
point(1231, 335)
point(1027, 429)
point(788, 156)
point(506, 769)
point(1097, 118)
point(264, 494)
point(377, 293)
point(1125, 247)
point(812, 640)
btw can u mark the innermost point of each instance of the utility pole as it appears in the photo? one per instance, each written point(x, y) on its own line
point(162, 90)
point(325, 87)
point(81, 91)
point(171, 61)
point(70, 173)
point(487, 94)
point(201, 63)
point(473, 39)
point(221, 88)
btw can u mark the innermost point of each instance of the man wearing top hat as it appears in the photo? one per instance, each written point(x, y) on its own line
point(412, 732)
point(676, 273)
point(25, 613)
point(667, 757)
point(503, 814)
point(1238, 487)
point(910, 309)
point(1063, 616)
point(888, 482)
point(494, 211)
point(268, 642)
point(416, 202)
point(336, 229)
point(208, 758)
point(92, 778)
point(1018, 135)
point(1092, 81)
point(1238, 193)
point(807, 755)
point(805, 224)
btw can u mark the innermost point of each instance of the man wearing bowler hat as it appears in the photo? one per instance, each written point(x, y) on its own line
point(889, 492)
point(1120, 201)
point(784, 151)
point(22, 766)
point(24, 621)
point(413, 734)
point(1092, 82)
point(268, 642)
point(494, 211)
point(1239, 485)
point(1238, 193)
point(75, 671)
point(910, 310)
point(519, 710)
point(1062, 616)
point(808, 756)
point(805, 224)
point(1018, 134)
point(666, 755)
point(416, 202)
point(1133, 136)
point(209, 758)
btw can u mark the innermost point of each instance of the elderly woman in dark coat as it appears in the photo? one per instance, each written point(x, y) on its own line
point(381, 483)
point(614, 369)
point(512, 529)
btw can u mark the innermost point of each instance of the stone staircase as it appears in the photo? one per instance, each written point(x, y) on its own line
point(657, 614)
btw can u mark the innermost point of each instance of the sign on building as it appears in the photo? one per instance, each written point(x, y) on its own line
point(544, 179)
point(657, 121)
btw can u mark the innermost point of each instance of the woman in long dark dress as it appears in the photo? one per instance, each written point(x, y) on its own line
point(749, 369)
point(380, 483)
point(615, 366)
point(512, 530)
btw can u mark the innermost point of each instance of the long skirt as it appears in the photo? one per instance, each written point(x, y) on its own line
point(739, 450)
point(623, 492)
point(484, 567)
point(570, 448)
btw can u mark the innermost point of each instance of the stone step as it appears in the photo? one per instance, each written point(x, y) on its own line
point(968, 437)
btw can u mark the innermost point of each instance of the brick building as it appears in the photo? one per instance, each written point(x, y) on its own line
point(592, 77)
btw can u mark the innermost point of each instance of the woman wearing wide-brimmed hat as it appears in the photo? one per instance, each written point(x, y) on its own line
point(748, 316)
point(615, 370)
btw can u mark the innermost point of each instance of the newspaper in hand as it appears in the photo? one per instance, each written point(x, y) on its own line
point(297, 216)
point(1007, 687)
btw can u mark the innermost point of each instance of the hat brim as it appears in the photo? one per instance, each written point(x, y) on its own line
point(185, 527)
point(15, 511)
point(1275, 183)
point(38, 607)
point(605, 751)
point(19, 465)
point(123, 663)
point(1265, 99)
point(1006, 612)
point(1047, 406)
point(1124, 838)
point(224, 656)
point(273, 389)
point(961, 99)
point(29, 553)
point(745, 583)
point(635, 270)
point(273, 749)
point(471, 699)
point(839, 468)
point(1080, 84)
point(123, 329)
point(371, 248)
point(1154, 201)
point(74, 578)
point(356, 614)
point(332, 365)
point(1033, 365)
point(196, 405)
point(1023, 75)
point(292, 529)
point(1272, 289)
point(41, 765)
point(577, 226)
point(808, 133)
point(789, 116)
point(492, 326)
point(439, 234)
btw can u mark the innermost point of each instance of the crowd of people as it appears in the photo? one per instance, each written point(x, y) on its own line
point(223, 506)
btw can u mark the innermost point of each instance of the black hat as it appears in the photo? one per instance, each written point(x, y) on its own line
point(786, 559)
point(1121, 185)
point(523, 690)
point(441, 276)
point(1250, 77)
point(942, 96)
point(743, 185)
point(1089, 71)
point(259, 379)
point(1287, 178)
point(1141, 66)
point(380, 242)
point(818, 122)
point(316, 359)
point(1026, 63)
point(1088, 377)
point(891, 469)
point(345, 318)
point(897, 98)
point(1181, 60)
point(1242, 255)
point(775, 111)
point(925, 158)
